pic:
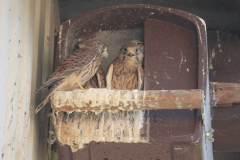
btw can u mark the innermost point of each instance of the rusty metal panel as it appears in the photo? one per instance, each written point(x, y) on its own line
point(224, 56)
point(174, 60)
point(224, 66)
point(171, 56)
point(170, 130)
point(225, 94)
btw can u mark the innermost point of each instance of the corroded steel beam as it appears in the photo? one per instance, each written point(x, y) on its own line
point(103, 99)
point(225, 94)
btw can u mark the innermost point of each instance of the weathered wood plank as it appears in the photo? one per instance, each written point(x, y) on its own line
point(103, 99)
point(226, 93)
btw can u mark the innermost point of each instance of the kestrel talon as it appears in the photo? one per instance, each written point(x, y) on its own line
point(126, 71)
point(78, 67)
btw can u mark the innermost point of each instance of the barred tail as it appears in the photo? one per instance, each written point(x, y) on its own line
point(44, 102)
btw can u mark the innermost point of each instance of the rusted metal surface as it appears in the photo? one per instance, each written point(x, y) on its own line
point(172, 56)
point(224, 56)
point(224, 67)
point(176, 58)
point(170, 130)
point(126, 100)
point(223, 16)
point(226, 94)
point(227, 128)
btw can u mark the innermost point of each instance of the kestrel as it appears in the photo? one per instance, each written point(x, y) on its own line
point(98, 80)
point(77, 68)
point(126, 71)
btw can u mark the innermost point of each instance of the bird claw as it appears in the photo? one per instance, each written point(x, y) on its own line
point(80, 86)
point(88, 87)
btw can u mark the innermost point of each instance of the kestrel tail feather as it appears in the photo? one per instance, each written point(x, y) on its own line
point(42, 104)
point(48, 84)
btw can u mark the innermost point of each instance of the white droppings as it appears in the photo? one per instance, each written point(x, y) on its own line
point(168, 77)
point(92, 97)
point(60, 36)
point(218, 42)
point(213, 54)
point(179, 104)
point(187, 70)
point(169, 57)
point(229, 59)
point(181, 62)
point(122, 126)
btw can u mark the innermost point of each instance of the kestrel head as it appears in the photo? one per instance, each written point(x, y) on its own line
point(132, 52)
point(95, 44)
point(138, 42)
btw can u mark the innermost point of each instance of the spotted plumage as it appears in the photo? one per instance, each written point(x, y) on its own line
point(98, 80)
point(126, 71)
point(79, 67)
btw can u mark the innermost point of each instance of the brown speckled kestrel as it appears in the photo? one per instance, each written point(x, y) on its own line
point(78, 67)
point(98, 80)
point(126, 71)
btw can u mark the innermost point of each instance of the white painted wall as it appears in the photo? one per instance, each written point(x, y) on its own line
point(26, 41)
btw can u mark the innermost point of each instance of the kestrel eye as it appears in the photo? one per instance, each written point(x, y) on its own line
point(124, 50)
point(103, 47)
point(77, 47)
point(138, 43)
point(136, 50)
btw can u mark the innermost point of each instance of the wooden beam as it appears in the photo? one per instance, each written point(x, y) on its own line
point(103, 99)
point(226, 94)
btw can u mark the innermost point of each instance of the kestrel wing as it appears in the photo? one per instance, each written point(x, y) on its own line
point(98, 80)
point(77, 61)
point(109, 76)
point(53, 81)
point(46, 99)
point(70, 64)
point(48, 84)
point(101, 78)
point(140, 77)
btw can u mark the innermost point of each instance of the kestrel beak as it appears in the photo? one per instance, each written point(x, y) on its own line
point(105, 54)
point(131, 52)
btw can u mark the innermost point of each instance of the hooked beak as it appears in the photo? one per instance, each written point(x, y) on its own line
point(105, 54)
point(130, 54)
